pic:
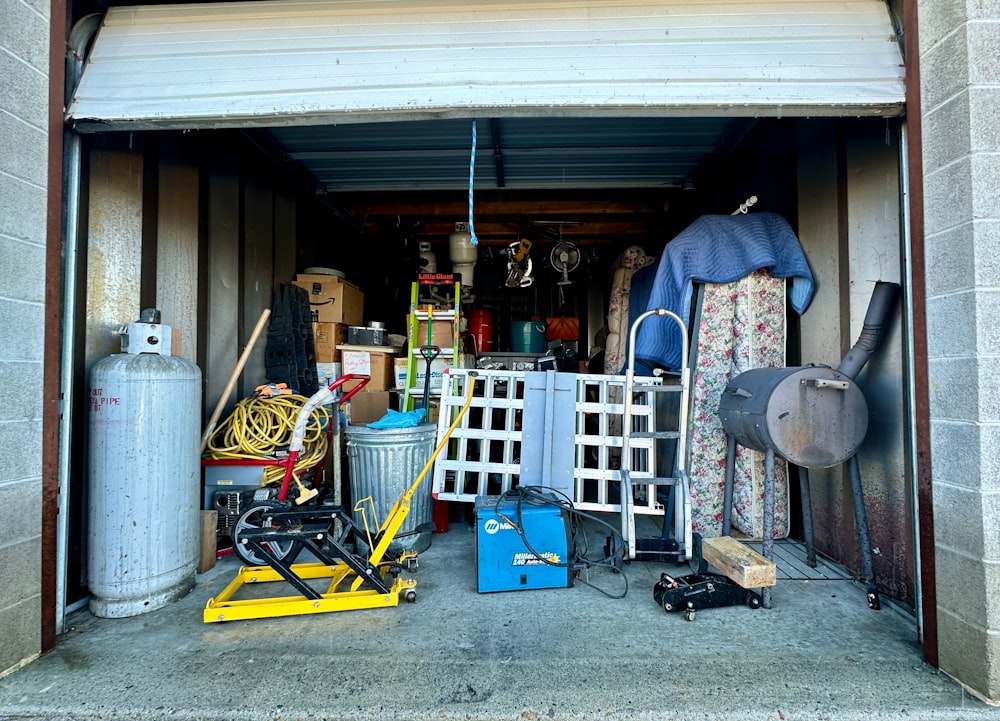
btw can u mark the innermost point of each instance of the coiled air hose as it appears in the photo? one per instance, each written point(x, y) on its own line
point(260, 428)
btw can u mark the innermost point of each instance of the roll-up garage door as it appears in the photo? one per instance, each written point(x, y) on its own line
point(310, 62)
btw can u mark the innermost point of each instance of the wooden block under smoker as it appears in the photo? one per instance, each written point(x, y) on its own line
point(741, 564)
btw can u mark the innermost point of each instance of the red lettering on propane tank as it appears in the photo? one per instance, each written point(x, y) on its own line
point(98, 400)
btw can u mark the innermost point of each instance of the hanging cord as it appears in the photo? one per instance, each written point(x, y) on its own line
point(541, 495)
point(261, 428)
point(472, 176)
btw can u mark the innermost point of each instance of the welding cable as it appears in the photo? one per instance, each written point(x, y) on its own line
point(536, 496)
point(261, 429)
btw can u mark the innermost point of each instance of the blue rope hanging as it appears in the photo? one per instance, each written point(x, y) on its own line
point(472, 175)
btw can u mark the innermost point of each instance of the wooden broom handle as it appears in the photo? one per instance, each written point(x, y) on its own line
point(234, 376)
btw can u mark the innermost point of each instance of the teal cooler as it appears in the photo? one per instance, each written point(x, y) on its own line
point(504, 562)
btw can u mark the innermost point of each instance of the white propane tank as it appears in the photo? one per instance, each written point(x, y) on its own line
point(463, 255)
point(144, 474)
point(428, 256)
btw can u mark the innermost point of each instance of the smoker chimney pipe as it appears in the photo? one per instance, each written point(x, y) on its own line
point(881, 304)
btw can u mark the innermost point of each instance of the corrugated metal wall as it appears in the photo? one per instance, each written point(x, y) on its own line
point(849, 224)
point(201, 228)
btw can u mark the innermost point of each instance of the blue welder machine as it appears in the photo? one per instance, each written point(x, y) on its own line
point(523, 541)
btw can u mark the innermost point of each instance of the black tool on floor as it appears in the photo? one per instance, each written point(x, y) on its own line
point(700, 589)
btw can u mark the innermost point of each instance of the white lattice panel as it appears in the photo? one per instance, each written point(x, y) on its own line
point(600, 409)
point(483, 455)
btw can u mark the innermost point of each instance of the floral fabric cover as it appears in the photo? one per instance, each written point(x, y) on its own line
point(631, 259)
point(742, 326)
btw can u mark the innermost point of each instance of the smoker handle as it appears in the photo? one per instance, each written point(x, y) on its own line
point(741, 392)
point(827, 383)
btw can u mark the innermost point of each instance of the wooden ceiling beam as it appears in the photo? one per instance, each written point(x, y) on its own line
point(439, 231)
point(540, 204)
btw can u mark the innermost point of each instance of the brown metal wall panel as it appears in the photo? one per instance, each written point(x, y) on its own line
point(177, 240)
point(221, 315)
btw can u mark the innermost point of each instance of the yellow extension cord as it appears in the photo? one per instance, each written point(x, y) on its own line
point(261, 428)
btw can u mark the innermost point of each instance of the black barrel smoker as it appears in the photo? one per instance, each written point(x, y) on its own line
point(813, 416)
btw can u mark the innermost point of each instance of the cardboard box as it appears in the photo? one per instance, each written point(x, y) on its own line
point(435, 405)
point(364, 360)
point(399, 370)
point(368, 407)
point(438, 368)
point(442, 333)
point(328, 373)
point(332, 299)
point(327, 339)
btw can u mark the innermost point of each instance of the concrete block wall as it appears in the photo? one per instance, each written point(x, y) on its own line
point(960, 92)
point(23, 165)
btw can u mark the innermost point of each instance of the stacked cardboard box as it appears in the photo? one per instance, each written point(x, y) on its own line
point(373, 361)
point(327, 340)
point(378, 395)
point(439, 366)
point(327, 373)
point(332, 299)
point(368, 407)
point(442, 333)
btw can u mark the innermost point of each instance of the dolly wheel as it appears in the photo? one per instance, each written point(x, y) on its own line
point(752, 600)
point(411, 596)
point(689, 614)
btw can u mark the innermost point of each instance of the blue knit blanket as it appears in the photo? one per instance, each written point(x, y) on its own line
point(718, 249)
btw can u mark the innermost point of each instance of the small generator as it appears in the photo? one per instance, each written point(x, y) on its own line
point(523, 542)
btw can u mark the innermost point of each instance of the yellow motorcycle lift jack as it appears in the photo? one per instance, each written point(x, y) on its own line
point(356, 580)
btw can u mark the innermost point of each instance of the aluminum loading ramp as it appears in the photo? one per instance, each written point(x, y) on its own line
point(522, 426)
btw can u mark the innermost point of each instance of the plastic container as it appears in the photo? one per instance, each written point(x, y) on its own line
point(527, 337)
point(481, 328)
point(383, 463)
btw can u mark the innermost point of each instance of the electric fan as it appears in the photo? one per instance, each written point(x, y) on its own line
point(564, 258)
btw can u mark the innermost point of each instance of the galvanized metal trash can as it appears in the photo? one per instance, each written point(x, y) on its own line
point(383, 463)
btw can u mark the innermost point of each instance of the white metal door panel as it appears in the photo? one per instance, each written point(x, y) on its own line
point(271, 62)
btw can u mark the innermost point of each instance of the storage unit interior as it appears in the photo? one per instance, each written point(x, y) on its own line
point(227, 147)
point(241, 211)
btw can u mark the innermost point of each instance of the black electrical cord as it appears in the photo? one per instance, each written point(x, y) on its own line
point(543, 495)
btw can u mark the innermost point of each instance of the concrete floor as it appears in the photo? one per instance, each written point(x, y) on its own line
point(571, 653)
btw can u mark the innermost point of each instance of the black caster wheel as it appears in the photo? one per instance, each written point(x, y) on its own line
point(689, 614)
point(752, 600)
point(411, 596)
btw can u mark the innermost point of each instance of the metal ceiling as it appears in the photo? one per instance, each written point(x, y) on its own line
point(510, 153)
